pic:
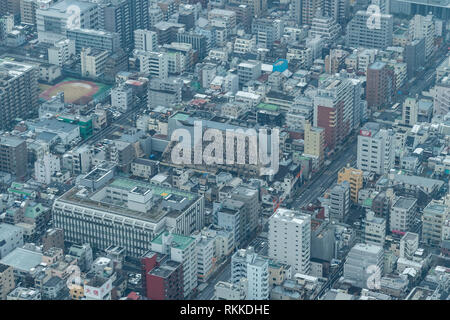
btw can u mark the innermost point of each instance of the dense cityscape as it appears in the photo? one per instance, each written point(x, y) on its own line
point(224, 150)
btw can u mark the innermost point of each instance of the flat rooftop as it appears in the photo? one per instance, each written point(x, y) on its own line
point(405, 203)
point(62, 6)
point(178, 241)
point(22, 259)
point(159, 210)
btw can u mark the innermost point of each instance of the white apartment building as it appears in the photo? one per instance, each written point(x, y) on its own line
point(245, 263)
point(375, 149)
point(205, 256)
point(249, 70)
point(122, 98)
point(208, 73)
point(433, 220)
point(374, 229)
point(45, 167)
point(403, 213)
point(365, 58)
point(423, 27)
point(244, 45)
point(409, 244)
point(92, 62)
point(145, 40)
point(223, 18)
point(325, 27)
point(290, 239)
point(60, 53)
point(301, 53)
point(153, 63)
point(182, 249)
point(441, 99)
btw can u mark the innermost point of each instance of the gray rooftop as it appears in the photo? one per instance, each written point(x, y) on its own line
point(419, 181)
point(22, 259)
point(405, 203)
point(7, 230)
point(10, 141)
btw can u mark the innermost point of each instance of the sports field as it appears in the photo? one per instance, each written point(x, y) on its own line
point(75, 90)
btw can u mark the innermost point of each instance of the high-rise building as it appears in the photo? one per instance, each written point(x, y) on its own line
point(181, 249)
point(384, 5)
point(164, 92)
point(10, 7)
point(19, 91)
point(362, 262)
point(163, 278)
point(222, 18)
point(155, 15)
point(441, 99)
point(13, 156)
point(93, 62)
point(123, 17)
point(6, 26)
point(95, 39)
point(403, 214)
point(46, 166)
point(248, 71)
point(290, 239)
point(199, 42)
point(265, 31)
point(439, 9)
point(245, 263)
point(7, 283)
point(61, 52)
point(53, 21)
point(309, 9)
point(205, 256)
point(122, 97)
point(296, 9)
point(374, 229)
point(423, 27)
point(145, 40)
point(314, 141)
point(414, 56)
point(28, 11)
point(339, 201)
point(325, 27)
point(433, 218)
point(355, 178)
point(380, 86)
point(410, 111)
point(375, 149)
point(333, 109)
point(359, 34)
point(409, 244)
point(143, 206)
point(154, 63)
point(249, 196)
